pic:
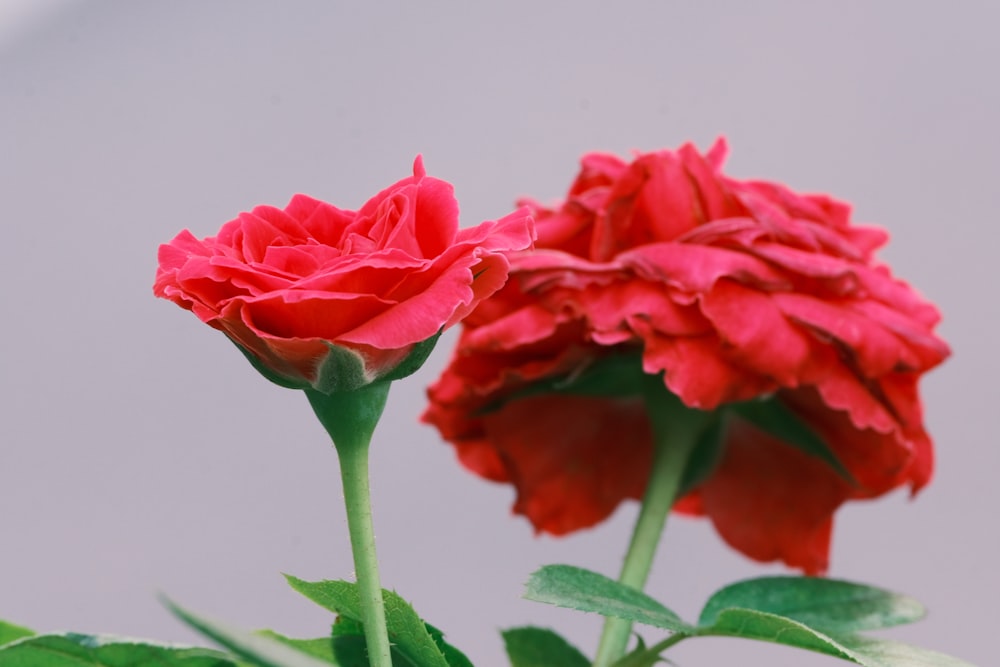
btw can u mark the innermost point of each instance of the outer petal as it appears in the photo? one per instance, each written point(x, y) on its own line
point(773, 502)
point(573, 459)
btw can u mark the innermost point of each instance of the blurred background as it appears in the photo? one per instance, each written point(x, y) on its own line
point(140, 453)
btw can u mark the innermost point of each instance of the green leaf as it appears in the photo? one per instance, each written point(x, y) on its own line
point(350, 649)
point(348, 644)
point(454, 657)
point(887, 653)
point(10, 632)
point(258, 650)
point(321, 647)
point(840, 607)
point(763, 626)
point(774, 418)
point(77, 650)
point(407, 631)
point(539, 647)
point(576, 588)
point(752, 624)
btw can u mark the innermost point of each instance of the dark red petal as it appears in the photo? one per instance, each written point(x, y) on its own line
point(773, 502)
point(572, 459)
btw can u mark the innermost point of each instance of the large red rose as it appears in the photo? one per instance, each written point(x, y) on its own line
point(311, 291)
point(735, 290)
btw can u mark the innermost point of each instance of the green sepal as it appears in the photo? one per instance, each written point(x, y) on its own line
point(280, 380)
point(81, 650)
point(840, 607)
point(409, 635)
point(618, 374)
point(343, 369)
point(539, 647)
point(773, 417)
point(418, 355)
point(705, 455)
point(583, 590)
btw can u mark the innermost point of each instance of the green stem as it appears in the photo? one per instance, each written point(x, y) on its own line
point(675, 638)
point(675, 432)
point(350, 419)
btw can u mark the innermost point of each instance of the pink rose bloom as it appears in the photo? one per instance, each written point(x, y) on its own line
point(329, 299)
point(735, 290)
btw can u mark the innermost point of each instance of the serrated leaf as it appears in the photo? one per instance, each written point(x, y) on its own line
point(407, 631)
point(774, 418)
point(576, 588)
point(540, 647)
point(256, 649)
point(10, 632)
point(320, 647)
point(79, 650)
point(454, 657)
point(840, 607)
point(348, 644)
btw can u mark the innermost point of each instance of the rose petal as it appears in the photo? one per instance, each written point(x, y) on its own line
point(573, 459)
point(773, 502)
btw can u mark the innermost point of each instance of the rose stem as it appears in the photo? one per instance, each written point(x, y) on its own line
point(350, 419)
point(675, 432)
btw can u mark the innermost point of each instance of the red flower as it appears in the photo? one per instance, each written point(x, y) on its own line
point(321, 297)
point(736, 290)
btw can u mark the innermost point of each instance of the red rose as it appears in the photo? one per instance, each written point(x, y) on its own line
point(328, 299)
point(736, 290)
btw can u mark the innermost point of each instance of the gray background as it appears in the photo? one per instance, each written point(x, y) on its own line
point(141, 453)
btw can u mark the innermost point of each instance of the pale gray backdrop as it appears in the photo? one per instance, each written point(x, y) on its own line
point(141, 453)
